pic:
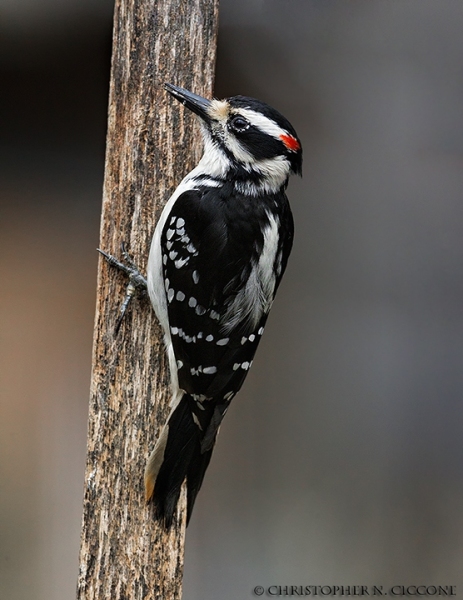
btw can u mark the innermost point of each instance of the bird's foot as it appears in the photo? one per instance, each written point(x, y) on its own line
point(137, 283)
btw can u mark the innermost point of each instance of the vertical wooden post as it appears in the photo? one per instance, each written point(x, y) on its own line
point(125, 553)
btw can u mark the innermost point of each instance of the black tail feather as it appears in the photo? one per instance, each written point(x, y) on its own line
point(182, 459)
point(195, 476)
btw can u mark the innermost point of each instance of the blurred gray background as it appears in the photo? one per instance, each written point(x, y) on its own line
point(341, 460)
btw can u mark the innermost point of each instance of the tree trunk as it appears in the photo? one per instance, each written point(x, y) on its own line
point(125, 553)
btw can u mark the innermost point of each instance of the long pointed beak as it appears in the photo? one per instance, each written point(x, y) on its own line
point(200, 106)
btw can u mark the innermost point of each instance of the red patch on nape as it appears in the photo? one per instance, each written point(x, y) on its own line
point(290, 142)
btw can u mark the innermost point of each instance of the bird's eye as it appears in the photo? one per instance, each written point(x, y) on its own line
point(239, 123)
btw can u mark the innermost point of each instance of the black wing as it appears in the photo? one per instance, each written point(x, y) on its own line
point(211, 242)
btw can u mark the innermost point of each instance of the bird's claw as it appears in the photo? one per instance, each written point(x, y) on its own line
point(137, 283)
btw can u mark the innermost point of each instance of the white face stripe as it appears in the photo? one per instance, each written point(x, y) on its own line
point(240, 153)
point(262, 122)
point(220, 111)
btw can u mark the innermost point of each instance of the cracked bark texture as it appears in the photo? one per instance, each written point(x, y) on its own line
point(151, 145)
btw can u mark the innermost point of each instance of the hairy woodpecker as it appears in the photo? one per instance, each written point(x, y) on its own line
point(217, 257)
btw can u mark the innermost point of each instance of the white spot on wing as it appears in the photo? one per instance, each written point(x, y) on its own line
point(181, 262)
point(210, 370)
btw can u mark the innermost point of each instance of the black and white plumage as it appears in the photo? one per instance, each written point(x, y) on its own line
point(217, 257)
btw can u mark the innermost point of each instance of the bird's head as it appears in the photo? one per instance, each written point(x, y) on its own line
point(245, 139)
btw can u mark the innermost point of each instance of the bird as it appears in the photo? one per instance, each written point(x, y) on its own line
point(217, 256)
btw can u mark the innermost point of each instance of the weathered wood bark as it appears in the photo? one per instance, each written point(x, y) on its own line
point(125, 553)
